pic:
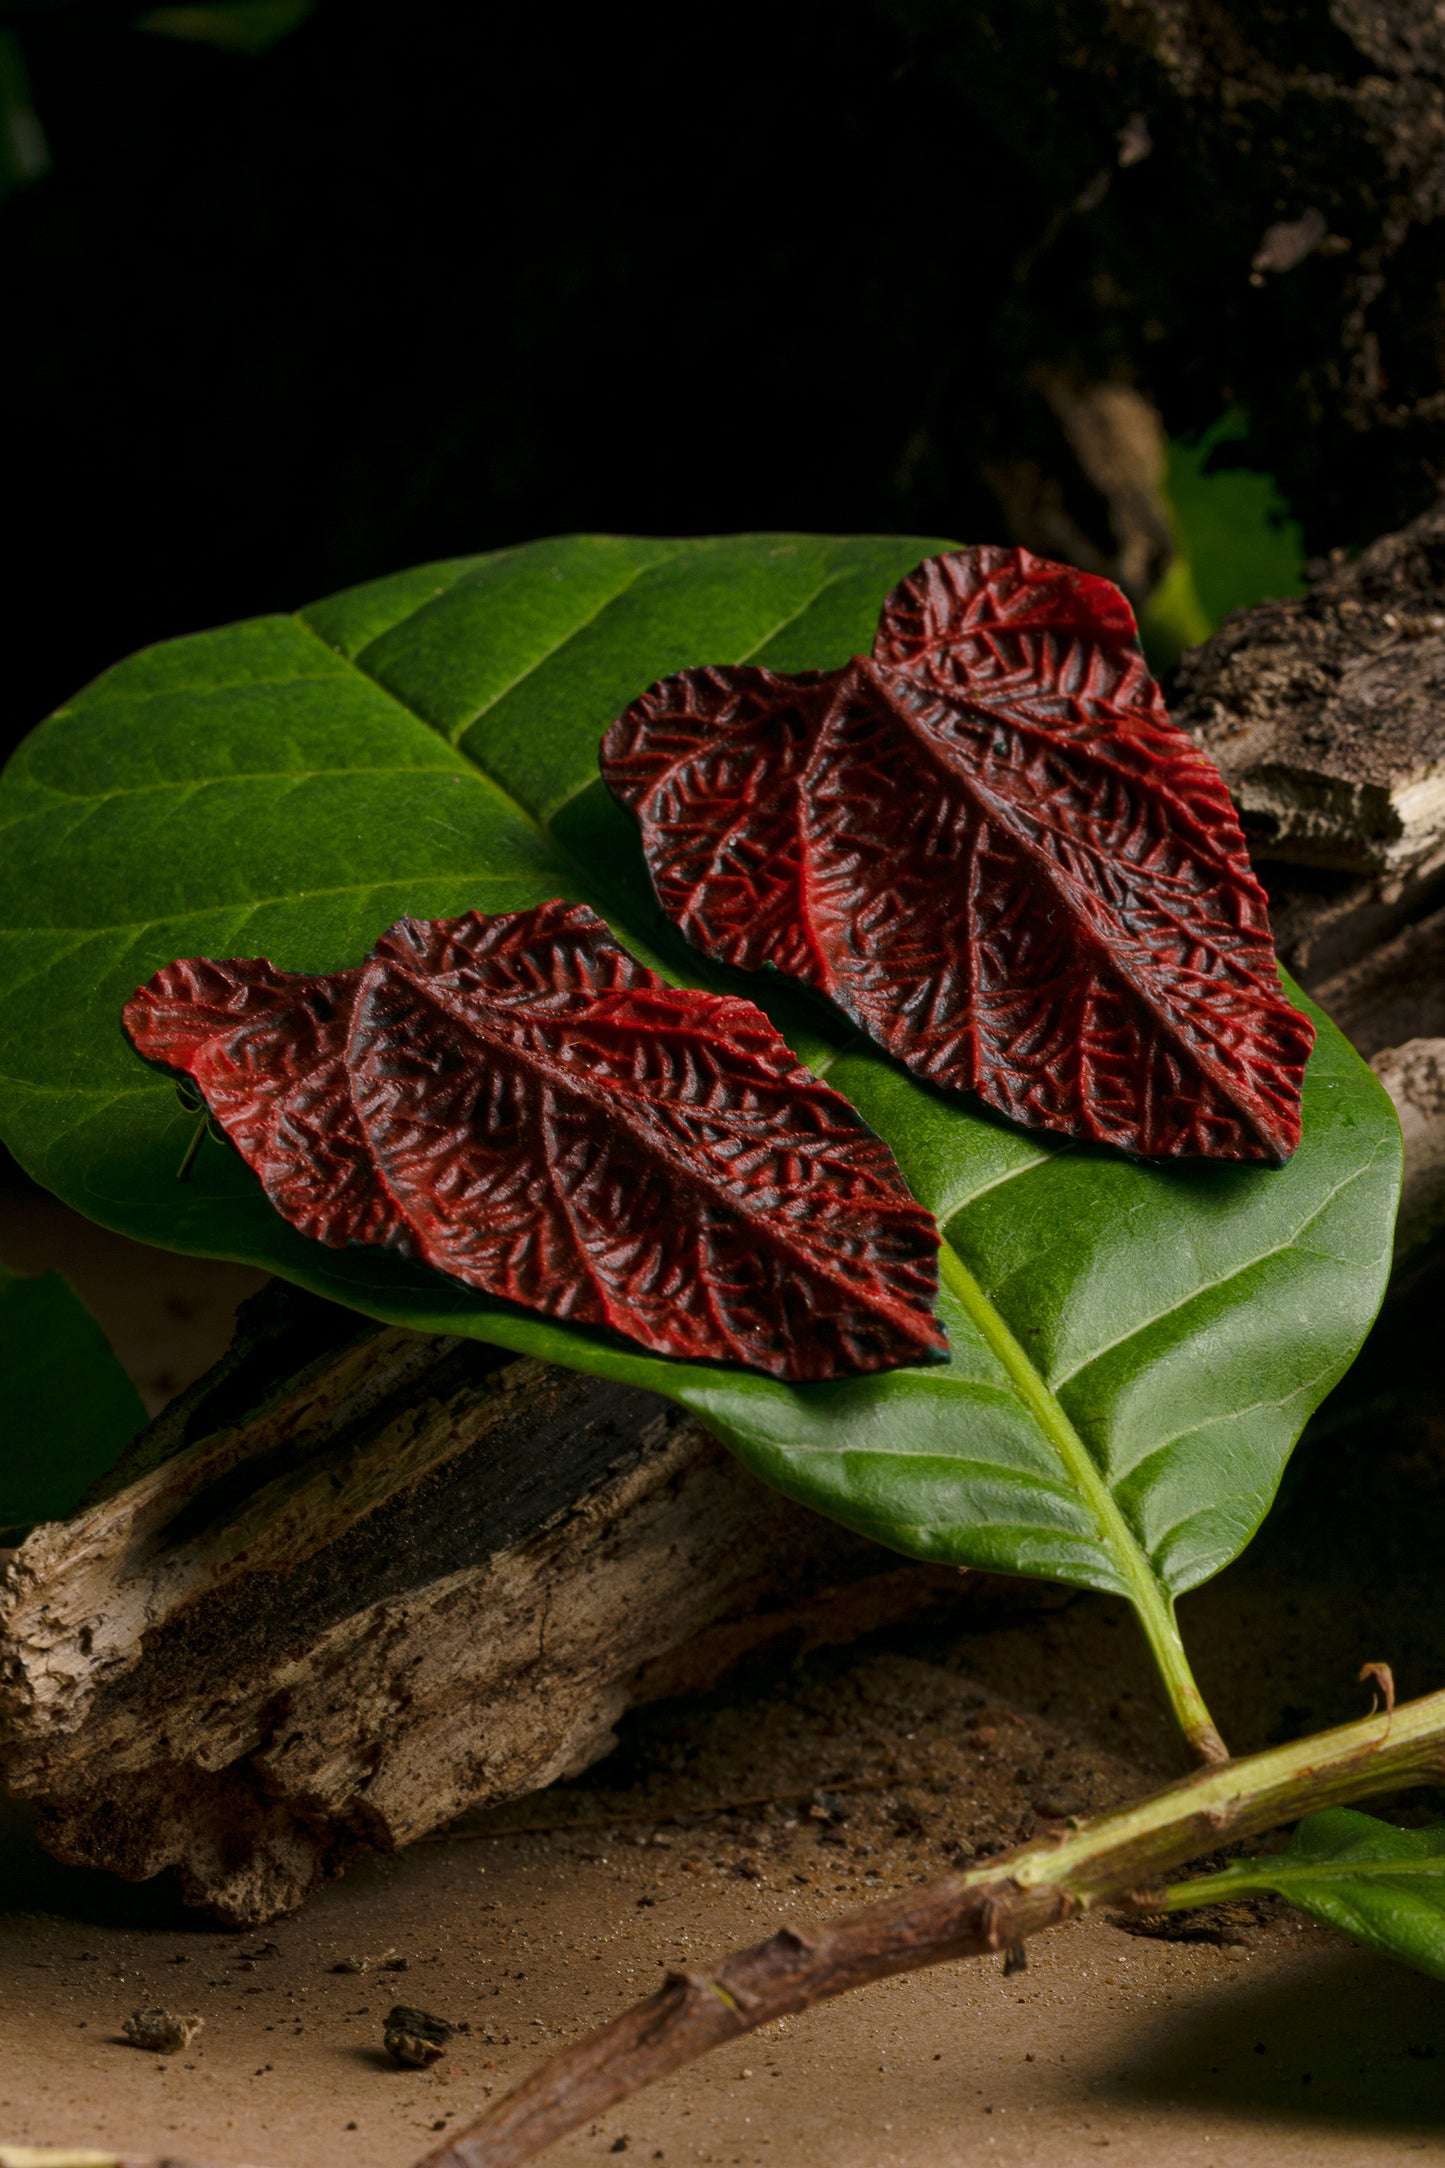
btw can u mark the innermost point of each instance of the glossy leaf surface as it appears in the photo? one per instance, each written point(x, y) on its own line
point(515, 1101)
point(69, 1406)
point(991, 847)
point(1133, 1347)
point(1380, 1885)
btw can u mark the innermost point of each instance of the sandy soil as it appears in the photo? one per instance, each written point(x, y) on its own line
point(793, 1792)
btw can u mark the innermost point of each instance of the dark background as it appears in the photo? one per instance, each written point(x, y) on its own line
point(424, 279)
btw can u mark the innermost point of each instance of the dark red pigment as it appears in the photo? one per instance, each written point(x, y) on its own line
point(516, 1102)
point(991, 847)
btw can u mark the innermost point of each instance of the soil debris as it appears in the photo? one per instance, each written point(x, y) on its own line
point(163, 2032)
point(415, 2038)
point(1227, 1926)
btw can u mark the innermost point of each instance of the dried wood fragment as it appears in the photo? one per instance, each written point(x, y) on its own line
point(358, 1580)
point(1326, 713)
point(1414, 1076)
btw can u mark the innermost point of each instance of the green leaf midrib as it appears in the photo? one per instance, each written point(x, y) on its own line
point(1085, 1476)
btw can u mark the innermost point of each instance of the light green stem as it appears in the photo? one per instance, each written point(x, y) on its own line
point(1152, 1607)
point(1273, 1877)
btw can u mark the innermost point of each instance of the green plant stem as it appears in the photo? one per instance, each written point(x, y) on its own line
point(1152, 1607)
point(1272, 1877)
point(188, 1158)
point(1114, 1859)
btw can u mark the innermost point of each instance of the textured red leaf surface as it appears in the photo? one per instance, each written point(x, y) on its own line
point(991, 847)
point(515, 1101)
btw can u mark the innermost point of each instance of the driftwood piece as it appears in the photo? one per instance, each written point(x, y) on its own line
point(1414, 1076)
point(359, 1579)
point(1326, 713)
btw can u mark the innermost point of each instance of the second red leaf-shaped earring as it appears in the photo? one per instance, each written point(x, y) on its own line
point(988, 844)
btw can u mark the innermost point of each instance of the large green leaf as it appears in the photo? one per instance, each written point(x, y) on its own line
point(69, 1406)
point(1135, 1347)
point(1383, 1886)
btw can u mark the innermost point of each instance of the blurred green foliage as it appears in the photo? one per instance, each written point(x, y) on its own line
point(24, 152)
point(1237, 543)
point(69, 1406)
point(235, 26)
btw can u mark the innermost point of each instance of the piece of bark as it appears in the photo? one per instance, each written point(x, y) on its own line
point(1325, 922)
point(1414, 1076)
point(358, 1580)
point(1326, 712)
point(1394, 993)
point(1325, 715)
point(1211, 204)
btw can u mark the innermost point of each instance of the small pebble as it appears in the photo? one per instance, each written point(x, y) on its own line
point(415, 2038)
point(162, 2031)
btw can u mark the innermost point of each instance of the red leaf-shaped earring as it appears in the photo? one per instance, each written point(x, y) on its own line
point(990, 846)
point(516, 1102)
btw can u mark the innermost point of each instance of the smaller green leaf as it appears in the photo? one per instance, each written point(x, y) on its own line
point(1380, 1885)
point(24, 152)
point(69, 1406)
point(236, 26)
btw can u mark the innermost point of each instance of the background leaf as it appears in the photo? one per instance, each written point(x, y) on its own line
point(1135, 1348)
point(1380, 1885)
point(69, 1406)
point(236, 26)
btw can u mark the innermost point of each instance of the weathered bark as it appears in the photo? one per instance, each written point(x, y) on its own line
point(1326, 715)
point(1414, 1076)
point(1197, 205)
point(359, 1579)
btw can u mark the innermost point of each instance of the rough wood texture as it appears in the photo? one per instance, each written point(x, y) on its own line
point(1201, 203)
point(1326, 713)
point(358, 1580)
point(1414, 1076)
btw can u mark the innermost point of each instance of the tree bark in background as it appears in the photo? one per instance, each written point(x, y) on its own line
point(1216, 202)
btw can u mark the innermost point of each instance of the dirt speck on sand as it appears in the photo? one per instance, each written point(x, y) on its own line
point(164, 2032)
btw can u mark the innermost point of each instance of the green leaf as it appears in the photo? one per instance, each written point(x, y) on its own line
point(24, 152)
point(69, 1406)
point(1234, 544)
point(1380, 1885)
point(236, 26)
point(1135, 1347)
